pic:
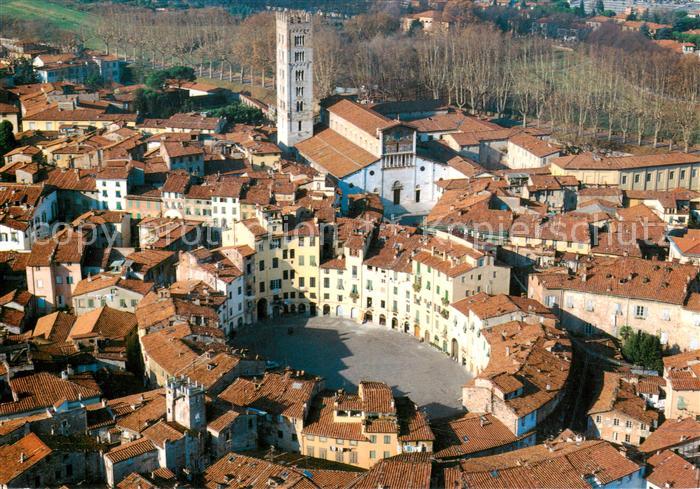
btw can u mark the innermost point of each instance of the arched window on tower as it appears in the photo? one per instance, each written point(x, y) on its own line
point(300, 106)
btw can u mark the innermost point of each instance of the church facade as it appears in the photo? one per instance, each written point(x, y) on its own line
point(358, 149)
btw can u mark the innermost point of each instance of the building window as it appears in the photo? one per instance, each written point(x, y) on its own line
point(353, 457)
point(387, 439)
point(616, 422)
point(640, 312)
point(615, 435)
point(372, 454)
point(628, 424)
point(627, 438)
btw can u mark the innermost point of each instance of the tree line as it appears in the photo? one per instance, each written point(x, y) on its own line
point(617, 87)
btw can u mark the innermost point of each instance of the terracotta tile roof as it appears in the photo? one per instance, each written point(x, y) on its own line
point(235, 471)
point(589, 161)
point(338, 155)
point(486, 306)
point(145, 260)
point(106, 280)
point(413, 423)
point(177, 149)
point(412, 470)
point(689, 244)
point(618, 395)
point(15, 261)
point(627, 277)
point(130, 450)
point(278, 393)
point(223, 421)
point(135, 481)
point(103, 322)
point(24, 150)
point(376, 397)
point(567, 464)
point(471, 434)
point(138, 411)
point(77, 180)
point(332, 479)
point(451, 122)
point(162, 432)
point(66, 246)
point(20, 456)
point(532, 356)
point(534, 145)
point(683, 370)
point(177, 182)
point(210, 368)
point(670, 434)
point(561, 227)
point(360, 116)
point(41, 390)
point(671, 470)
point(391, 251)
point(319, 421)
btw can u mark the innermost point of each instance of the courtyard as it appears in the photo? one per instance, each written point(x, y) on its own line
point(345, 353)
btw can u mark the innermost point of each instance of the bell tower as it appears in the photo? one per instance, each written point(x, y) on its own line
point(295, 117)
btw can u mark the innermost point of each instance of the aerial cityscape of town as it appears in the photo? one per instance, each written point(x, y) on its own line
point(350, 244)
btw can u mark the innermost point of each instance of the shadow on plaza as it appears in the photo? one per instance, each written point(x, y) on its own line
point(315, 350)
point(326, 352)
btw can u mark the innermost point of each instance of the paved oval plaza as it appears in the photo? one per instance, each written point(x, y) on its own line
point(344, 353)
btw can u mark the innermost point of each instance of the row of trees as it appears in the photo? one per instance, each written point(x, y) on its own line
point(619, 86)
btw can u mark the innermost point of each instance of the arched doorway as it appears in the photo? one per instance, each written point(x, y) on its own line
point(382, 320)
point(312, 309)
point(368, 317)
point(262, 309)
point(339, 311)
point(285, 308)
point(395, 323)
point(302, 308)
point(427, 336)
point(454, 351)
point(406, 327)
point(293, 308)
point(275, 311)
point(326, 310)
point(353, 313)
point(416, 330)
point(396, 189)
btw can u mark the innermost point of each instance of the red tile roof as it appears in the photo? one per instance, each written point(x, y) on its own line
point(20, 456)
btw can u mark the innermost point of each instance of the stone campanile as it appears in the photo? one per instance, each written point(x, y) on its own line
point(295, 118)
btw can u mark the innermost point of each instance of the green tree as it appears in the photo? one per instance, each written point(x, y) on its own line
point(239, 113)
point(644, 30)
point(7, 137)
point(643, 349)
point(23, 71)
point(599, 7)
point(581, 9)
point(94, 81)
point(156, 80)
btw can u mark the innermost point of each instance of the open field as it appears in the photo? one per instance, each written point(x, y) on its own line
point(60, 16)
